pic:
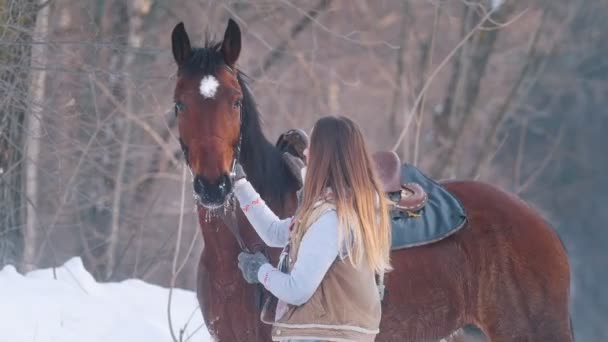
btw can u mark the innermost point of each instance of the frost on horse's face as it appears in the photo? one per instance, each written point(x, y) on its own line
point(208, 101)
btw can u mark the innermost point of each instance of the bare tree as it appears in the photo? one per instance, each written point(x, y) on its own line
point(468, 71)
point(18, 21)
point(34, 130)
point(89, 159)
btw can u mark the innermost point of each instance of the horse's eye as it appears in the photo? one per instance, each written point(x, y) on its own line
point(238, 103)
point(179, 107)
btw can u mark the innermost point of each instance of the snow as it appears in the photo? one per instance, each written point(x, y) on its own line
point(208, 86)
point(36, 307)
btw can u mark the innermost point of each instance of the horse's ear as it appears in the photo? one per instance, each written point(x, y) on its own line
point(180, 44)
point(231, 46)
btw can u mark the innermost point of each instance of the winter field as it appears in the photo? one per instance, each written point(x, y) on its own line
point(71, 306)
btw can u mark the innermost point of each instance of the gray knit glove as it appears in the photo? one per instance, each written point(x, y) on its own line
point(250, 265)
point(239, 173)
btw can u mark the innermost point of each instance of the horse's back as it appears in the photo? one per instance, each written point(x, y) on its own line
point(518, 255)
point(492, 208)
point(502, 224)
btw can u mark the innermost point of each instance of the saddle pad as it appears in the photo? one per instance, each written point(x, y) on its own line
point(442, 216)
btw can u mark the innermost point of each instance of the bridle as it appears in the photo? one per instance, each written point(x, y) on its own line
point(229, 217)
point(237, 149)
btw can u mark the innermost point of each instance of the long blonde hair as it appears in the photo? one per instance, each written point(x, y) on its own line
point(339, 161)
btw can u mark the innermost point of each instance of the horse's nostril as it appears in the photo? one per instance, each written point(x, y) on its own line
point(215, 192)
point(225, 185)
point(199, 186)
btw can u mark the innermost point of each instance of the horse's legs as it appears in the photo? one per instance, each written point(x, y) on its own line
point(540, 313)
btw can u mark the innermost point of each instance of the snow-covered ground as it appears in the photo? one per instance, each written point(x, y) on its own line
point(36, 307)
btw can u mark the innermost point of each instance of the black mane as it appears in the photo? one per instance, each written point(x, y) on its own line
point(261, 160)
point(206, 60)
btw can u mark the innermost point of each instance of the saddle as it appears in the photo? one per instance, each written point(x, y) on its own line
point(423, 211)
point(405, 196)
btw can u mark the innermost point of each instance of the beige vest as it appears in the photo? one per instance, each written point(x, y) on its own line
point(345, 307)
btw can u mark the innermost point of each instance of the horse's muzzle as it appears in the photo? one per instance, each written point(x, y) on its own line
point(212, 194)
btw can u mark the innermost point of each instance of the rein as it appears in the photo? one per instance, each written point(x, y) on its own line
point(231, 221)
point(230, 217)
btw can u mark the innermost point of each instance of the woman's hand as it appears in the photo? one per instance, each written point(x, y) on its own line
point(250, 264)
point(239, 173)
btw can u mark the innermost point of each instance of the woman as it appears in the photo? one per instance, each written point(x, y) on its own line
point(336, 243)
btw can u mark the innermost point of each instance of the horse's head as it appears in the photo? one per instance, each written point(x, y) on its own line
point(208, 100)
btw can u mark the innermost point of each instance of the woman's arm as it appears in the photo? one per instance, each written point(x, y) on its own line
point(317, 252)
point(274, 231)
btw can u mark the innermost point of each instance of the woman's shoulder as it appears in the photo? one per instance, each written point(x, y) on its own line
point(325, 212)
point(326, 225)
point(329, 215)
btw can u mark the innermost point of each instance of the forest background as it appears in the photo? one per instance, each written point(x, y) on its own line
point(509, 92)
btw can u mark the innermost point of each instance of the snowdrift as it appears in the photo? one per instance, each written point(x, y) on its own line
point(36, 307)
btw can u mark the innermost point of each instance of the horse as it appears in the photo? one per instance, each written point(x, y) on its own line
point(505, 272)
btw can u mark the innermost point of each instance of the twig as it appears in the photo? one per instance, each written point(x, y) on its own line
point(532, 178)
point(202, 325)
point(144, 125)
point(432, 77)
point(508, 104)
point(139, 235)
point(116, 199)
point(429, 63)
point(520, 153)
point(76, 169)
point(278, 52)
point(189, 252)
point(498, 26)
point(400, 69)
point(176, 253)
point(341, 36)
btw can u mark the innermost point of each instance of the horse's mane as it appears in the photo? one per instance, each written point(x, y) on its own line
point(261, 160)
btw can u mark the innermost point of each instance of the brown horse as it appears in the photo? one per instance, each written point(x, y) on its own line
point(506, 272)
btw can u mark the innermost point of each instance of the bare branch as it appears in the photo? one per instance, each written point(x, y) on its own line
point(178, 241)
point(544, 163)
point(432, 76)
point(427, 64)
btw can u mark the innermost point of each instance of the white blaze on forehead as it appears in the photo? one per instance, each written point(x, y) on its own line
point(208, 86)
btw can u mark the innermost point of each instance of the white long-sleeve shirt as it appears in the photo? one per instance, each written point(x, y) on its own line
point(317, 251)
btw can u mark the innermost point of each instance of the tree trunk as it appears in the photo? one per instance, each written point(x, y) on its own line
point(18, 18)
point(136, 11)
point(101, 223)
point(397, 97)
point(37, 91)
point(466, 87)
